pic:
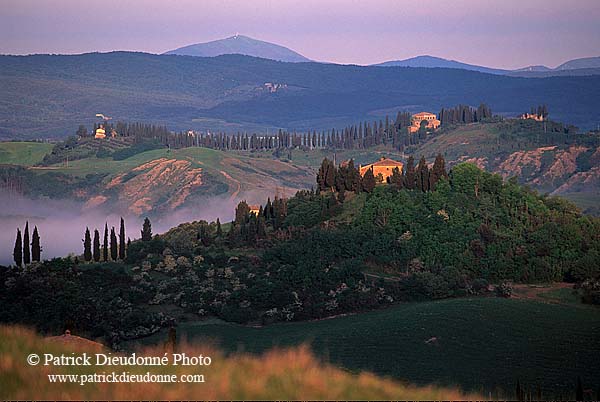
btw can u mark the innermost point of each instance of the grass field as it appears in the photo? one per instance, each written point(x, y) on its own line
point(483, 344)
point(23, 153)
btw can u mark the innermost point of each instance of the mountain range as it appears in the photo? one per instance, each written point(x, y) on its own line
point(582, 66)
point(240, 44)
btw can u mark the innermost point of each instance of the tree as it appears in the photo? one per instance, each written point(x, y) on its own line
point(36, 250)
point(26, 254)
point(87, 246)
point(396, 178)
point(409, 175)
point(368, 181)
point(105, 243)
point(241, 212)
point(327, 175)
point(437, 172)
point(96, 249)
point(146, 230)
point(18, 250)
point(82, 131)
point(122, 240)
point(422, 175)
point(219, 230)
point(113, 244)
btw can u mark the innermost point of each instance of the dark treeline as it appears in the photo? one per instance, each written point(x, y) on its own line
point(25, 252)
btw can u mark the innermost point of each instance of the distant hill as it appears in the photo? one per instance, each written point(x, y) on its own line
point(586, 62)
point(438, 62)
point(51, 95)
point(588, 66)
point(240, 44)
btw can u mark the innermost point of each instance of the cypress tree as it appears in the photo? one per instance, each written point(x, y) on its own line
point(122, 240)
point(105, 243)
point(396, 178)
point(437, 172)
point(36, 250)
point(113, 244)
point(219, 230)
point(422, 176)
point(368, 181)
point(330, 176)
point(409, 176)
point(147, 230)
point(87, 246)
point(96, 250)
point(26, 253)
point(18, 250)
point(241, 212)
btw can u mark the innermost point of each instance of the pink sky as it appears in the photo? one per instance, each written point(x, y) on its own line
point(496, 33)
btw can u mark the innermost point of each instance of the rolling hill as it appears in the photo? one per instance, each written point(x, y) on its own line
point(50, 95)
point(240, 44)
point(469, 335)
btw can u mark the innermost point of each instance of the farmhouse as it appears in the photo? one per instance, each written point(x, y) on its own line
point(430, 118)
point(383, 166)
point(254, 209)
point(533, 116)
point(100, 133)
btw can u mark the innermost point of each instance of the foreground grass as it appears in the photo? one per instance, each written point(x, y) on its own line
point(278, 374)
point(481, 344)
point(23, 153)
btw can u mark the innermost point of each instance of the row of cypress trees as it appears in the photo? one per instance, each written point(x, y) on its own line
point(22, 253)
point(96, 252)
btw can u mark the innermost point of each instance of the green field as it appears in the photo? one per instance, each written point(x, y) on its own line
point(23, 153)
point(483, 344)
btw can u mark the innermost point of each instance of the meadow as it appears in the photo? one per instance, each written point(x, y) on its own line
point(23, 153)
point(484, 345)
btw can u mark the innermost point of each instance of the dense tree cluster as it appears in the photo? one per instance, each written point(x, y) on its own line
point(25, 252)
point(346, 177)
point(252, 227)
point(463, 114)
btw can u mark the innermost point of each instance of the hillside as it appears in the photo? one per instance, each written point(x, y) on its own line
point(296, 373)
point(350, 247)
point(396, 342)
point(113, 172)
point(23, 153)
point(156, 182)
point(51, 95)
point(240, 44)
point(568, 166)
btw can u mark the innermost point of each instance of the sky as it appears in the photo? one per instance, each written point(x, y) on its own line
point(494, 33)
